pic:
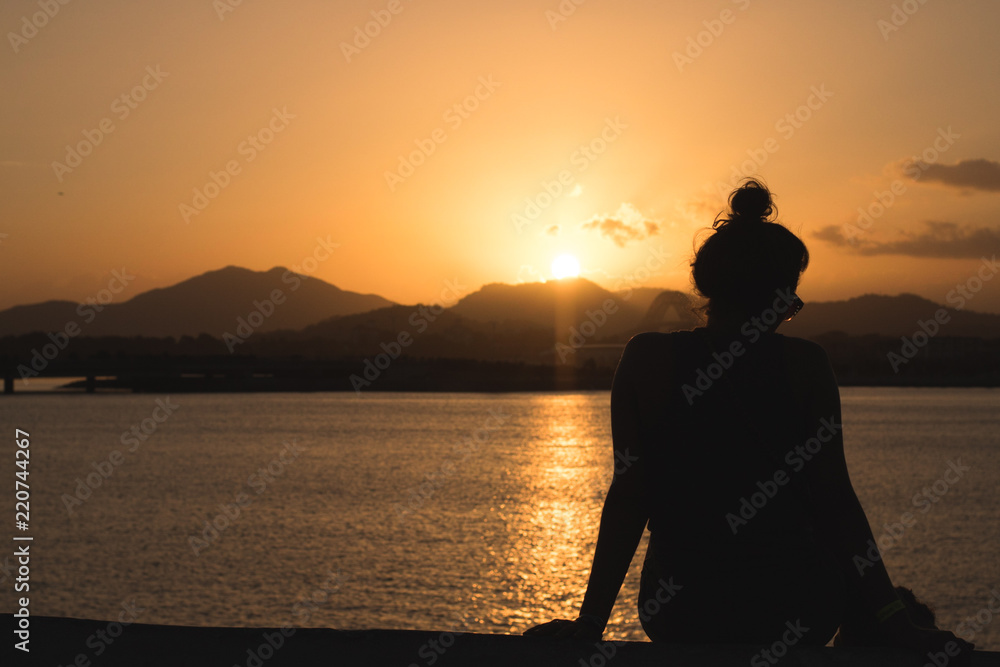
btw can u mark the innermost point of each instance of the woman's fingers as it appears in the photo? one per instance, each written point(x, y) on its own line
point(546, 629)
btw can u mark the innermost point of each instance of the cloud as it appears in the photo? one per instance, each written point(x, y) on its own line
point(944, 240)
point(626, 224)
point(979, 174)
point(528, 274)
point(834, 235)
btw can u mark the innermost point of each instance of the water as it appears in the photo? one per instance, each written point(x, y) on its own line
point(386, 519)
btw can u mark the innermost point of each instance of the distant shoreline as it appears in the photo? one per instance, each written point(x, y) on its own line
point(389, 389)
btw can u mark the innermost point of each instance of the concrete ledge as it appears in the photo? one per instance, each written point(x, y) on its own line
point(68, 641)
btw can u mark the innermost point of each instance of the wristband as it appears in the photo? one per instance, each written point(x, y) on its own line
point(883, 614)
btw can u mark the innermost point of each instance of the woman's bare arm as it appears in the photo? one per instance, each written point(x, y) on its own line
point(624, 516)
point(842, 521)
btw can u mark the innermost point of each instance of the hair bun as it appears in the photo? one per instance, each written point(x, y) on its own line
point(751, 202)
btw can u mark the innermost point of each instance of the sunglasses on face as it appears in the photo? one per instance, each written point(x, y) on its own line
point(794, 309)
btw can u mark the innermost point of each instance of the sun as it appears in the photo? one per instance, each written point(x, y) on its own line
point(565, 266)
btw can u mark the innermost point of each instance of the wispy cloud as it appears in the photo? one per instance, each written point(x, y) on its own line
point(979, 174)
point(626, 224)
point(937, 239)
point(528, 274)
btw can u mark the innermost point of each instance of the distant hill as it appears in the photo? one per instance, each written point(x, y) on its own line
point(558, 304)
point(521, 322)
point(424, 334)
point(892, 316)
point(671, 311)
point(643, 297)
point(496, 316)
point(209, 303)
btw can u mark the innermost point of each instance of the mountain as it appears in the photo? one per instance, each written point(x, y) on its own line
point(415, 331)
point(892, 316)
point(671, 311)
point(561, 304)
point(643, 297)
point(209, 303)
point(496, 315)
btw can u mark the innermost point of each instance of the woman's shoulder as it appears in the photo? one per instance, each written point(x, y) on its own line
point(807, 364)
point(803, 351)
point(649, 341)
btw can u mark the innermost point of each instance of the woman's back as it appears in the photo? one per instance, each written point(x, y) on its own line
point(728, 515)
point(737, 467)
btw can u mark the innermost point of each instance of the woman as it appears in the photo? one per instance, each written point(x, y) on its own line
point(738, 469)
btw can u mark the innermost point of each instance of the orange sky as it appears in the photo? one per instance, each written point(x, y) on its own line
point(665, 125)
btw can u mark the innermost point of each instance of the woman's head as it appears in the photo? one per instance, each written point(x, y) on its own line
point(749, 257)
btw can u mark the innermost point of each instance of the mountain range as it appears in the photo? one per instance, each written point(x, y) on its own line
point(213, 303)
point(206, 304)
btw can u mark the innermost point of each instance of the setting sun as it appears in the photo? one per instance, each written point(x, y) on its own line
point(565, 266)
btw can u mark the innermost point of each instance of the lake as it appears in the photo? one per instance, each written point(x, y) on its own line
point(474, 512)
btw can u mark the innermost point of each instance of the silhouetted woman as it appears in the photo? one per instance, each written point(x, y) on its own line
point(733, 431)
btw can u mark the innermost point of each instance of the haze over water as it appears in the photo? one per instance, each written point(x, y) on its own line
point(419, 530)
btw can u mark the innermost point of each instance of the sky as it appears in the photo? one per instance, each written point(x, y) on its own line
point(399, 146)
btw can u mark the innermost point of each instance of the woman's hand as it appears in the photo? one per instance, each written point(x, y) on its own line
point(561, 627)
point(947, 647)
